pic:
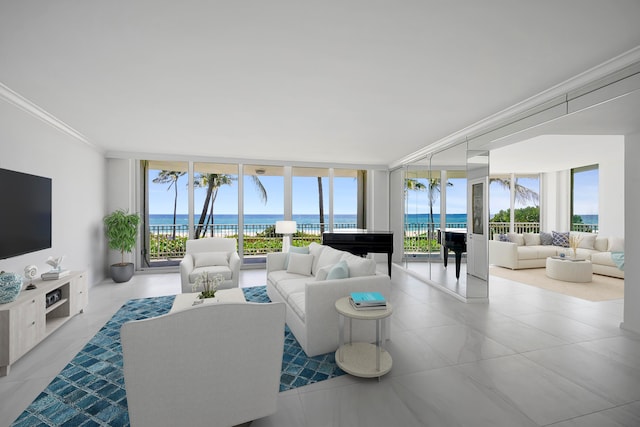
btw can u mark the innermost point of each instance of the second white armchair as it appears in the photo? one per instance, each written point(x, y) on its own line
point(215, 255)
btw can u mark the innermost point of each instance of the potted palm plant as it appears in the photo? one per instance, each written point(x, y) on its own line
point(121, 229)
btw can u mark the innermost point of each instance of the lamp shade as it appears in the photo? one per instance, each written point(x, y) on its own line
point(286, 227)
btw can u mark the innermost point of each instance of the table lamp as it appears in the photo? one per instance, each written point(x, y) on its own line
point(286, 228)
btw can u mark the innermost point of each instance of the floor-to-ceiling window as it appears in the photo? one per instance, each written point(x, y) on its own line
point(517, 193)
point(349, 202)
point(310, 204)
point(166, 209)
point(263, 205)
point(584, 198)
point(244, 201)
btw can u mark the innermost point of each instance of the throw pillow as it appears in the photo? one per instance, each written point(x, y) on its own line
point(300, 263)
point(359, 266)
point(531, 239)
point(206, 259)
point(516, 238)
point(560, 239)
point(587, 241)
point(503, 238)
point(339, 271)
point(546, 238)
point(616, 244)
point(297, 250)
point(321, 274)
point(315, 249)
point(329, 256)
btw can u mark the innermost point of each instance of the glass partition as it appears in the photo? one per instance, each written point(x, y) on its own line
point(446, 220)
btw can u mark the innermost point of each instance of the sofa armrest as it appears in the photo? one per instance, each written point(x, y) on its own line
point(503, 254)
point(186, 267)
point(234, 265)
point(276, 261)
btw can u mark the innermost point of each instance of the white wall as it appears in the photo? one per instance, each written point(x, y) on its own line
point(378, 204)
point(631, 320)
point(121, 194)
point(608, 153)
point(77, 170)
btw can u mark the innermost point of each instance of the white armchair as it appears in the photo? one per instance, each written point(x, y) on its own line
point(216, 255)
point(211, 365)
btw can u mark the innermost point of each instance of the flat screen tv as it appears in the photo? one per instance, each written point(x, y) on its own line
point(25, 215)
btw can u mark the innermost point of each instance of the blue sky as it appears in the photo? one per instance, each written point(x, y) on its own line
point(305, 196)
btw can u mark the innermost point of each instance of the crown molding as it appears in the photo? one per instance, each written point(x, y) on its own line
point(19, 101)
point(586, 81)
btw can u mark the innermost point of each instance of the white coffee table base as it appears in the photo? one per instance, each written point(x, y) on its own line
point(569, 271)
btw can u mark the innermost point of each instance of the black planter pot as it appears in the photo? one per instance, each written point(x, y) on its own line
point(121, 273)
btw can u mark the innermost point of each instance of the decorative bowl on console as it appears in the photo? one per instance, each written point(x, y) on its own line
point(10, 285)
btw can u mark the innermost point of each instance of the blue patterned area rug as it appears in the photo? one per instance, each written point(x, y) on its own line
point(90, 389)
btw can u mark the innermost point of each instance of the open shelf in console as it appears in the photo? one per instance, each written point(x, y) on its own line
point(59, 310)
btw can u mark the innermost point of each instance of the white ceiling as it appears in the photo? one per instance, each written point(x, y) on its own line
point(337, 81)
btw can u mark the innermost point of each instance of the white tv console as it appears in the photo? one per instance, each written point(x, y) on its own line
point(27, 321)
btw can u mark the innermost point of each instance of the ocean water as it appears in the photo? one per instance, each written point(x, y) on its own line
point(259, 219)
point(181, 219)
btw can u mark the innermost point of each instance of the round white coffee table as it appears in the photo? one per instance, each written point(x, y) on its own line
point(569, 270)
point(363, 359)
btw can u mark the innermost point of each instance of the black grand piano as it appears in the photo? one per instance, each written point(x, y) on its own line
point(454, 240)
point(361, 242)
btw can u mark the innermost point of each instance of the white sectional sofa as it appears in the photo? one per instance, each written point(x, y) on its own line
point(310, 284)
point(530, 250)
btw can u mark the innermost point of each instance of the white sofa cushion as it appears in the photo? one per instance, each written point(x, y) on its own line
point(531, 239)
point(616, 244)
point(329, 256)
point(602, 258)
point(516, 238)
point(587, 240)
point(359, 266)
point(601, 244)
point(204, 259)
point(315, 249)
point(281, 276)
point(300, 263)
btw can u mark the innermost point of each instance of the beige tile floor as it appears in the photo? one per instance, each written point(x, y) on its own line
point(528, 358)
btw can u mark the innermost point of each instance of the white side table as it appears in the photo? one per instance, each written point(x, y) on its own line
point(363, 359)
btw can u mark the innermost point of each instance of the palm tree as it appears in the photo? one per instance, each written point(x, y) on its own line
point(522, 193)
point(170, 177)
point(213, 182)
point(433, 193)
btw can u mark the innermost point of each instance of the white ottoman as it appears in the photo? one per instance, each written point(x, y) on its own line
point(569, 270)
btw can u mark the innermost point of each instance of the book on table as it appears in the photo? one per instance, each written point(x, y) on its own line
point(54, 274)
point(367, 300)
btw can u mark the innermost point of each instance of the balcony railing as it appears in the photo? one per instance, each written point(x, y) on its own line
point(167, 242)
